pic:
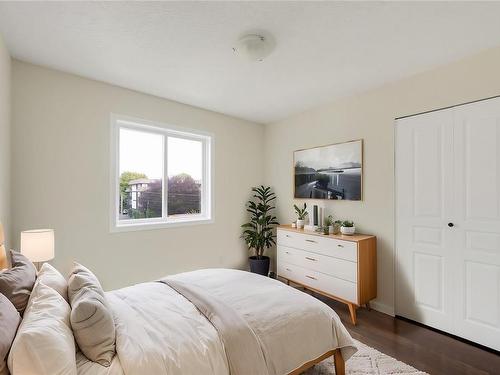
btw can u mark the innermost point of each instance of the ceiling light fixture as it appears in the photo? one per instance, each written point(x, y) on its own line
point(255, 47)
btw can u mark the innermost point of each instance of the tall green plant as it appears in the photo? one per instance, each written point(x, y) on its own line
point(258, 232)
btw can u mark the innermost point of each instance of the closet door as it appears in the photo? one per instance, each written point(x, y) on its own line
point(477, 222)
point(424, 207)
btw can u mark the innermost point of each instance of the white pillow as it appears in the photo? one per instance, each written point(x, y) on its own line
point(44, 344)
point(51, 277)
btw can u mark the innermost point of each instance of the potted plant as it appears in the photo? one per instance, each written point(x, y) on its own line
point(328, 224)
point(336, 226)
point(258, 232)
point(347, 228)
point(322, 229)
point(301, 215)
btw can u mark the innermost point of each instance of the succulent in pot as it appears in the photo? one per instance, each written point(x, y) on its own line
point(336, 226)
point(328, 224)
point(301, 215)
point(347, 228)
point(322, 229)
point(258, 233)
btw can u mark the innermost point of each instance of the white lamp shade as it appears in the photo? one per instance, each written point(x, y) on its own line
point(38, 244)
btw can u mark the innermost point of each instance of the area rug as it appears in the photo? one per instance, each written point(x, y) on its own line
point(366, 361)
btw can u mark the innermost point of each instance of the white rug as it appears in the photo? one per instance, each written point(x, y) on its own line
point(366, 361)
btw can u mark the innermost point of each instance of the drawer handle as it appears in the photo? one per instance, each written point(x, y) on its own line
point(287, 252)
point(311, 241)
point(339, 245)
point(311, 277)
point(287, 235)
point(314, 260)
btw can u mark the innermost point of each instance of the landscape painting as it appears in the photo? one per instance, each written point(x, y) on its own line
point(330, 172)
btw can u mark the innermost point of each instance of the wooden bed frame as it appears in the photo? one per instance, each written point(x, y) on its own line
point(338, 360)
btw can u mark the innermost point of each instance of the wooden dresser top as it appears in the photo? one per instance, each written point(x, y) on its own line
point(354, 238)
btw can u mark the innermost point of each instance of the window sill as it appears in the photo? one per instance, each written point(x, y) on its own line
point(173, 223)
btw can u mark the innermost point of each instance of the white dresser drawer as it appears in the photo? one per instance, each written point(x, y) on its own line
point(336, 287)
point(340, 268)
point(321, 245)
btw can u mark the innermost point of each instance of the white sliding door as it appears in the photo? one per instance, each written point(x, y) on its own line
point(477, 190)
point(448, 220)
point(424, 168)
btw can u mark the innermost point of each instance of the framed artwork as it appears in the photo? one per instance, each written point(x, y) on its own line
point(329, 172)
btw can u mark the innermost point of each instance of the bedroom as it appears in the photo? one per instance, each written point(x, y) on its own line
point(75, 77)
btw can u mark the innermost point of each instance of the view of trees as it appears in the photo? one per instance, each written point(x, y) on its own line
point(184, 196)
point(149, 203)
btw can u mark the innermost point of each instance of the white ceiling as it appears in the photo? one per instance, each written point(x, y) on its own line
point(182, 50)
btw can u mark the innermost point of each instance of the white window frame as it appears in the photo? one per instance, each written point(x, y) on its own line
point(206, 216)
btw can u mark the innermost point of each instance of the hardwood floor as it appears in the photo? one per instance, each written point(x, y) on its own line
point(418, 346)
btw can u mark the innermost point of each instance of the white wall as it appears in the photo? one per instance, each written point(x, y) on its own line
point(60, 171)
point(371, 116)
point(5, 102)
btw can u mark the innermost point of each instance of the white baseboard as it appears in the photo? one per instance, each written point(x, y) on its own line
point(383, 308)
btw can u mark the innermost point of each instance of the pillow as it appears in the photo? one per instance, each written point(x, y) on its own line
point(9, 321)
point(51, 277)
point(91, 317)
point(16, 283)
point(44, 344)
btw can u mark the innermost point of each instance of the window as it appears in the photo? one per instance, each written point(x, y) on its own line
point(161, 175)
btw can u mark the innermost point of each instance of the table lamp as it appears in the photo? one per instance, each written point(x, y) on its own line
point(38, 245)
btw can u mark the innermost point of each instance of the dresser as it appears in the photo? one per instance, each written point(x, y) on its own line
point(343, 268)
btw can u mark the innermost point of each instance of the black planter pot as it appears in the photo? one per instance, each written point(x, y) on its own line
point(259, 265)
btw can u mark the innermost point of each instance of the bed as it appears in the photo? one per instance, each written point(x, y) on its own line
point(220, 321)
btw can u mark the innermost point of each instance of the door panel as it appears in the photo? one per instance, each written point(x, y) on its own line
point(427, 175)
point(477, 230)
point(429, 281)
point(481, 165)
point(482, 304)
point(427, 236)
point(423, 181)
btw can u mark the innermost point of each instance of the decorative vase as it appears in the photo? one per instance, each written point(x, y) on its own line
point(348, 231)
point(259, 265)
point(300, 224)
point(330, 229)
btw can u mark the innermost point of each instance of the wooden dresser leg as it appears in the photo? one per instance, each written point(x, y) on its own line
point(352, 311)
point(338, 360)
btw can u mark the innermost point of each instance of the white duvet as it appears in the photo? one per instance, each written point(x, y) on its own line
point(161, 332)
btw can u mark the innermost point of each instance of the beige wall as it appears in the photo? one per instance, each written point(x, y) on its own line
point(371, 116)
point(60, 171)
point(5, 101)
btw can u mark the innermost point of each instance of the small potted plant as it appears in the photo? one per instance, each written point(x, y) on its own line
point(301, 215)
point(322, 229)
point(336, 226)
point(258, 233)
point(328, 224)
point(347, 228)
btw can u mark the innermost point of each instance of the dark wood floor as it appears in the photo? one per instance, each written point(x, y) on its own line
point(420, 347)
